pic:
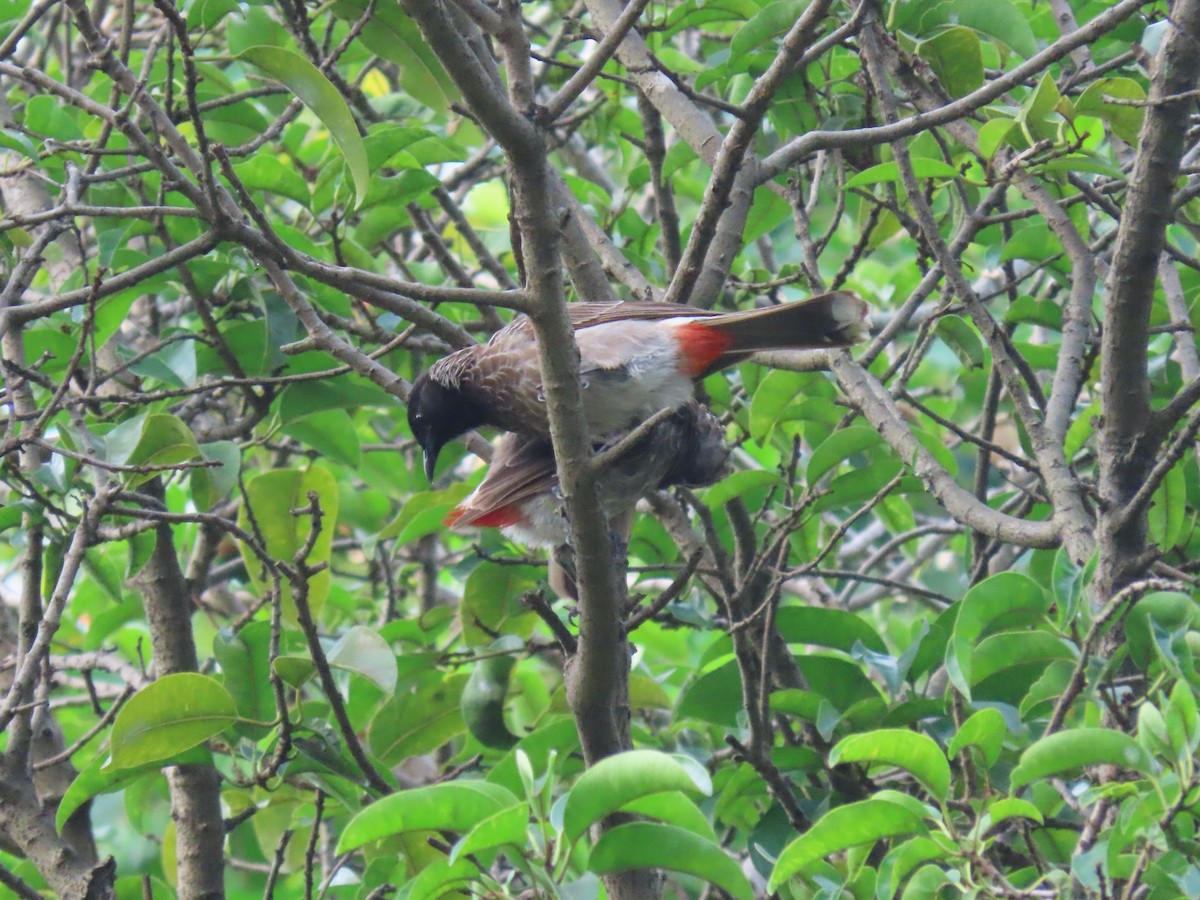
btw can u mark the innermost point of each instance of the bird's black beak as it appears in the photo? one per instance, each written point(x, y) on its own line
point(431, 458)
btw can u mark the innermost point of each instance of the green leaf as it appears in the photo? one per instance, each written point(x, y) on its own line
point(273, 495)
point(394, 36)
point(1080, 430)
point(170, 715)
point(963, 339)
point(99, 778)
point(773, 19)
point(839, 447)
point(1011, 808)
point(439, 878)
point(1124, 120)
point(14, 140)
point(294, 670)
point(506, 827)
point(174, 364)
point(640, 845)
point(482, 700)
point(418, 721)
point(1034, 242)
point(1004, 651)
point(902, 860)
point(1183, 721)
point(305, 80)
point(1038, 312)
point(158, 439)
point(1152, 730)
point(909, 750)
point(923, 167)
point(956, 58)
point(826, 627)
point(839, 829)
point(738, 484)
point(423, 514)
point(1168, 512)
point(361, 650)
point(266, 173)
point(774, 401)
point(1071, 750)
point(245, 672)
point(1006, 594)
point(618, 779)
point(1035, 112)
point(212, 485)
point(994, 134)
point(673, 808)
point(450, 806)
point(1167, 610)
point(714, 696)
point(1000, 20)
point(331, 433)
point(491, 602)
point(986, 730)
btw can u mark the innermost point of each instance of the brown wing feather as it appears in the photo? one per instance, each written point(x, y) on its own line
point(584, 315)
point(521, 468)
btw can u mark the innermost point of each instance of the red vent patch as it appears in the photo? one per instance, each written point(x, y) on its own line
point(699, 347)
point(497, 518)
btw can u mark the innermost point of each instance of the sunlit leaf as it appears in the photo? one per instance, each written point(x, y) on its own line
point(451, 806)
point(910, 750)
point(1069, 751)
point(618, 779)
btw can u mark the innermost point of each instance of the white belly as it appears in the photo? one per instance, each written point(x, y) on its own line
point(630, 371)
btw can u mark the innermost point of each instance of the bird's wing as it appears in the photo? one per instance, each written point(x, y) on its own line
point(521, 468)
point(584, 315)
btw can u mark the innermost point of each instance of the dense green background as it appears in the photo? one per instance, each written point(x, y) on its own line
point(999, 725)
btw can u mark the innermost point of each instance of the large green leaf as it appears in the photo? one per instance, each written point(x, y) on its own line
point(1071, 750)
point(167, 717)
point(450, 806)
point(158, 439)
point(640, 845)
point(618, 779)
point(774, 19)
point(986, 730)
point(1007, 594)
point(394, 36)
point(245, 671)
point(910, 750)
point(307, 82)
point(1169, 510)
point(839, 829)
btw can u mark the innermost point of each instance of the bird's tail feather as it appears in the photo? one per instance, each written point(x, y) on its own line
point(836, 319)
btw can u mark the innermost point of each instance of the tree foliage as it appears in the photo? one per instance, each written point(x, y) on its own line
point(933, 635)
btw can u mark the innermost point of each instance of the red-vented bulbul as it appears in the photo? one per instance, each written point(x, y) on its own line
point(520, 494)
point(635, 359)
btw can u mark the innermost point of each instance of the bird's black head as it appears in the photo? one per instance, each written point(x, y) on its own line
point(437, 415)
